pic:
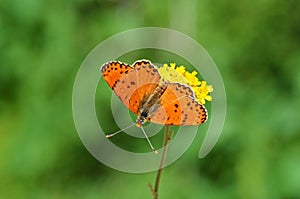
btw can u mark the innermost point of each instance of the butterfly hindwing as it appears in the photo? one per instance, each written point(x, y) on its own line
point(179, 107)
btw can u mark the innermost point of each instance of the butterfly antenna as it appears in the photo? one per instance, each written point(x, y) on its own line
point(153, 149)
point(115, 133)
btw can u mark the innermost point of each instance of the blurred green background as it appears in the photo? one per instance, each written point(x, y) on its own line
point(255, 45)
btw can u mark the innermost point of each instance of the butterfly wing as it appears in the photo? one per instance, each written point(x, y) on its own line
point(132, 85)
point(178, 107)
point(113, 71)
point(148, 79)
point(122, 80)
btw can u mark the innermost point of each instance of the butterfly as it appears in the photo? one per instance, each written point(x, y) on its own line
point(144, 92)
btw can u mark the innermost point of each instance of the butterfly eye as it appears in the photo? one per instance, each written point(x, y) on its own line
point(144, 114)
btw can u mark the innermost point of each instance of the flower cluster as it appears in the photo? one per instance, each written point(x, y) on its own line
point(179, 74)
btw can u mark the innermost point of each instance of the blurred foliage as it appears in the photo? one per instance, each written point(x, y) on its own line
point(255, 45)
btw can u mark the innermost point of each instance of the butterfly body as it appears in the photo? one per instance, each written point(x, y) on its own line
point(141, 89)
point(150, 106)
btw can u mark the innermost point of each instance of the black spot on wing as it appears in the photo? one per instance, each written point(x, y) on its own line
point(111, 65)
point(115, 84)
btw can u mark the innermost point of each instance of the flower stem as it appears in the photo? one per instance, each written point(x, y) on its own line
point(167, 138)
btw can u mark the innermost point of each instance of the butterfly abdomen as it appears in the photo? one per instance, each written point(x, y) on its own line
point(154, 98)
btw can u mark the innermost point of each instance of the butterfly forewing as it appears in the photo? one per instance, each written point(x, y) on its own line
point(133, 85)
point(122, 79)
point(113, 71)
point(148, 79)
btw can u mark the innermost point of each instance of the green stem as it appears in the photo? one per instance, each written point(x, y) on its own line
point(167, 138)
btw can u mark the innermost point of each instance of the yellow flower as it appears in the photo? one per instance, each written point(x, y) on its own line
point(181, 75)
point(170, 73)
point(202, 92)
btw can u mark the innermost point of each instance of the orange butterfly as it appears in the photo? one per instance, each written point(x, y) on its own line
point(144, 92)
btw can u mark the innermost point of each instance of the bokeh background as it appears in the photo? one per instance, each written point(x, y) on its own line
point(255, 45)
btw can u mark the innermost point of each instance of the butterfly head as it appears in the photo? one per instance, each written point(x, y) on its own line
point(142, 118)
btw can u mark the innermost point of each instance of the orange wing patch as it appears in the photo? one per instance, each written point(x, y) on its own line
point(178, 107)
point(122, 79)
point(148, 79)
point(113, 71)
